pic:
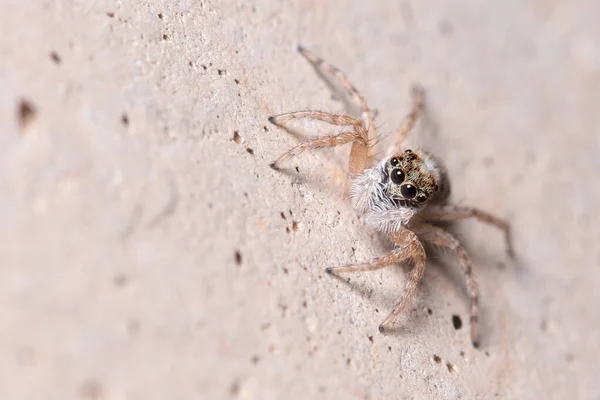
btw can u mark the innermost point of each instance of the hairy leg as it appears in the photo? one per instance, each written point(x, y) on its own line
point(453, 213)
point(358, 155)
point(416, 253)
point(418, 94)
point(325, 68)
point(409, 248)
point(317, 143)
point(333, 119)
point(368, 119)
point(399, 254)
point(442, 238)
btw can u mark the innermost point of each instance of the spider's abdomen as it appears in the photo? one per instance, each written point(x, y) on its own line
point(442, 193)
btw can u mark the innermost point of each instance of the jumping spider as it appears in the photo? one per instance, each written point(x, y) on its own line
point(401, 195)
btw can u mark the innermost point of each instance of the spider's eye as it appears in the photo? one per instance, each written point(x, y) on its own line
point(408, 191)
point(408, 151)
point(394, 161)
point(421, 198)
point(397, 176)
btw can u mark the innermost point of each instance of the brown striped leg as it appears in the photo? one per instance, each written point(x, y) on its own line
point(317, 143)
point(453, 213)
point(368, 119)
point(442, 238)
point(418, 94)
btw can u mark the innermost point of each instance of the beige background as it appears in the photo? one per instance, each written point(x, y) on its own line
point(124, 199)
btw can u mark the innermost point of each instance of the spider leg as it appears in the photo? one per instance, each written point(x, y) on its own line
point(410, 248)
point(453, 213)
point(328, 69)
point(397, 255)
point(317, 143)
point(418, 95)
point(367, 115)
point(358, 154)
point(441, 238)
point(417, 254)
point(333, 119)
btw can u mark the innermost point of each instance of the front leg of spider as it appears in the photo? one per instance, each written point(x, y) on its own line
point(362, 135)
point(408, 248)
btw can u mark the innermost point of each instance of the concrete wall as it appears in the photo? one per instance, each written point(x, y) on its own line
point(147, 250)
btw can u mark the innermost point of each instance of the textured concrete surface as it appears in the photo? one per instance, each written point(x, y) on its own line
point(147, 251)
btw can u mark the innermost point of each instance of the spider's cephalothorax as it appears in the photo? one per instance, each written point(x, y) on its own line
point(397, 188)
point(410, 178)
point(391, 193)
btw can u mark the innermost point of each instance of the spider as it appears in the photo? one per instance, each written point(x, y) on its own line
point(403, 195)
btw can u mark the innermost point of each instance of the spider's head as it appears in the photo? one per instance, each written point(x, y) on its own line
point(411, 177)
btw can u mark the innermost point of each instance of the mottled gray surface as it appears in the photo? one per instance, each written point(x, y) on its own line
point(123, 200)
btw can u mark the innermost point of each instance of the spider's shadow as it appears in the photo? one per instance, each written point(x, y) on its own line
point(299, 178)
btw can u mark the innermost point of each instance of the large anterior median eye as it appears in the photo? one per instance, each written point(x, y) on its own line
point(408, 191)
point(397, 176)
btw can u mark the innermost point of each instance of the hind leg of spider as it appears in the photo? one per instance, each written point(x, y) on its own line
point(318, 143)
point(418, 95)
point(444, 239)
point(324, 68)
point(453, 213)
